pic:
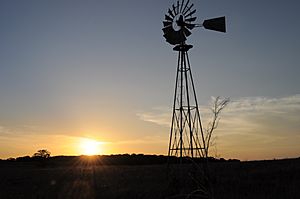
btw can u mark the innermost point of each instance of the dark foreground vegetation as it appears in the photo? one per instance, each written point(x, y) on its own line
point(144, 177)
point(121, 159)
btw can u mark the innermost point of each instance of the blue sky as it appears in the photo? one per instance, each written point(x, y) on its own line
point(101, 69)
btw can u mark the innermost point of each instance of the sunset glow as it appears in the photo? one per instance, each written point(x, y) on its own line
point(90, 147)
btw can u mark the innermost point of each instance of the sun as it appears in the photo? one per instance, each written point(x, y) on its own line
point(90, 147)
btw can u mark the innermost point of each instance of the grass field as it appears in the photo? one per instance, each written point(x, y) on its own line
point(244, 180)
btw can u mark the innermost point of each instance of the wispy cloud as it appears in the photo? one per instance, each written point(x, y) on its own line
point(249, 124)
point(246, 111)
point(19, 130)
point(270, 105)
point(158, 115)
point(262, 113)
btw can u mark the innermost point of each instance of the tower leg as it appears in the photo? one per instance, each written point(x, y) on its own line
point(186, 136)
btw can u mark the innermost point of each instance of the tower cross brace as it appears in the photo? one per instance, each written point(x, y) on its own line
point(186, 136)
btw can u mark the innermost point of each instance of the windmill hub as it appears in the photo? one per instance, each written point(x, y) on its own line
point(178, 22)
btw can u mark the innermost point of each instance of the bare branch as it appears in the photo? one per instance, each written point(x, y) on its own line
point(218, 104)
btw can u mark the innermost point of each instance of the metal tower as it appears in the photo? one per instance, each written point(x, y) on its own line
point(186, 136)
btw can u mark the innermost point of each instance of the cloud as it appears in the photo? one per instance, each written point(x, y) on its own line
point(244, 112)
point(19, 130)
point(270, 105)
point(279, 115)
point(158, 115)
point(263, 126)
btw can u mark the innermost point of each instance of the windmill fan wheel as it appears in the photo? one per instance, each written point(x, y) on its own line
point(178, 22)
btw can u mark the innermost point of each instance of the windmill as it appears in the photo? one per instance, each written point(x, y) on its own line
point(186, 136)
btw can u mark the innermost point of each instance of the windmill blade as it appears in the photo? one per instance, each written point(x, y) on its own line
point(167, 23)
point(183, 11)
point(170, 39)
point(168, 18)
point(216, 24)
point(191, 19)
point(182, 3)
point(175, 37)
point(174, 10)
point(170, 13)
point(185, 7)
point(191, 13)
point(172, 36)
point(188, 9)
point(186, 32)
point(168, 29)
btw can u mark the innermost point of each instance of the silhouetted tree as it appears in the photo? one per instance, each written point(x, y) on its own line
point(218, 104)
point(42, 157)
point(23, 159)
point(42, 154)
point(11, 159)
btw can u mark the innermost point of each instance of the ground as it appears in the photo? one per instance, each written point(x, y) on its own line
point(234, 180)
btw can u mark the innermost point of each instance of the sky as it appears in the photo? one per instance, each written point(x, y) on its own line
point(102, 70)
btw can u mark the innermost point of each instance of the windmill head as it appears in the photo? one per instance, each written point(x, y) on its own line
point(179, 22)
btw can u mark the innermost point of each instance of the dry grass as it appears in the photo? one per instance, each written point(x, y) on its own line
point(264, 179)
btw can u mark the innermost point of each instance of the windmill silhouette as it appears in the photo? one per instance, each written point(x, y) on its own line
point(186, 136)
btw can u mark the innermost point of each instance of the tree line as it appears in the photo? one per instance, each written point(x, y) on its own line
point(118, 159)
